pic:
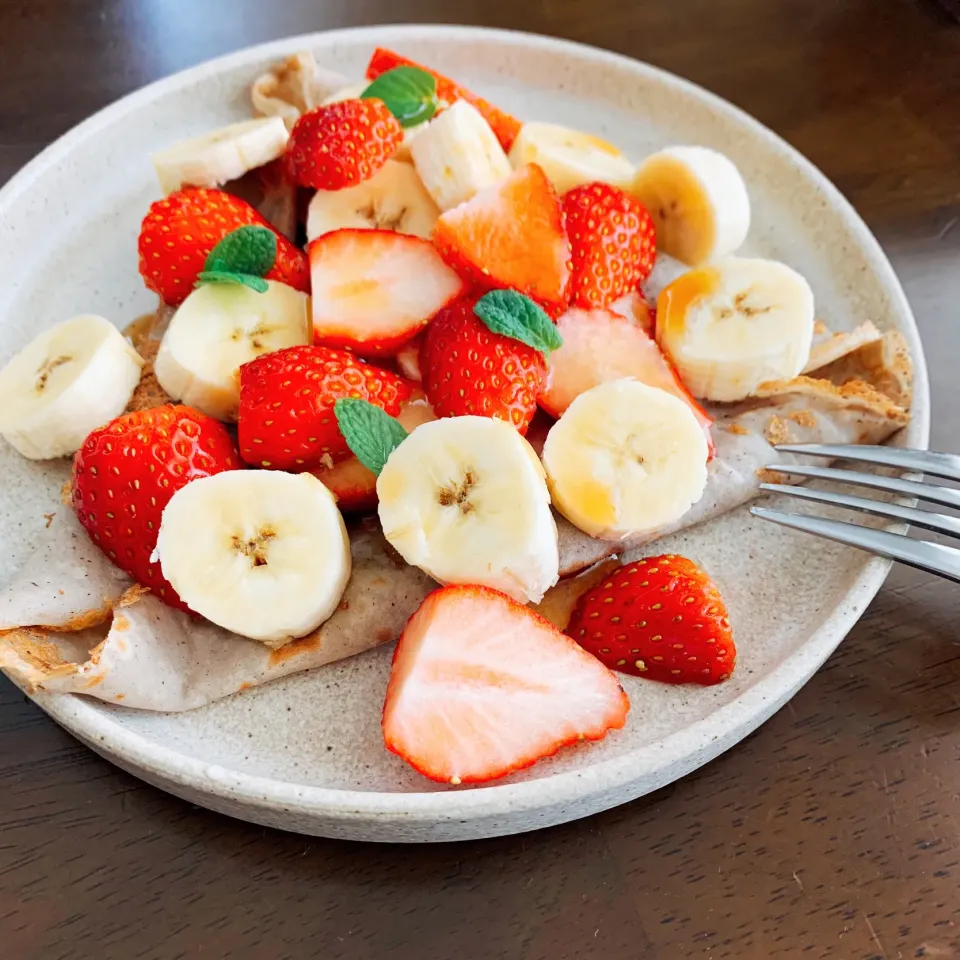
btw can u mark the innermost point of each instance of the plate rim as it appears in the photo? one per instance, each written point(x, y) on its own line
point(699, 741)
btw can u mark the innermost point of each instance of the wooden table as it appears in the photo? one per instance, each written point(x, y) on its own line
point(834, 831)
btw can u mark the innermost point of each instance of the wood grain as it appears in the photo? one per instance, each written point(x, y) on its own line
point(831, 832)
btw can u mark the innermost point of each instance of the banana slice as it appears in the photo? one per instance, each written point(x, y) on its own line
point(698, 201)
point(734, 324)
point(262, 553)
point(625, 459)
point(392, 199)
point(465, 500)
point(66, 382)
point(224, 155)
point(570, 158)
point(458, 155)
point(216, 330)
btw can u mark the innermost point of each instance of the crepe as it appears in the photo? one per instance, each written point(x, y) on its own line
point(71, 622)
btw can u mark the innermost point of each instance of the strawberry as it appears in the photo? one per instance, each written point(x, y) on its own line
point(375, 290)
point(126, 472)
point(503, 125)
point(598, 346)
point(510, 235)
point(286, 419)
point(180, 231)
point(634, 307)
point(342, 144)
point(482, 686)
point(661, 618)
point(353, 484)
point(469, 369)
point(614, 243)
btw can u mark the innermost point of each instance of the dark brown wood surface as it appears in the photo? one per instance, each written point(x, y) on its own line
point(834, 831)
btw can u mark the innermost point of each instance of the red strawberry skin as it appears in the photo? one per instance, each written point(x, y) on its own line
point(286, 419)
point(180, 231)
point(126, 472)
point(467, 369)
point(482, 686)
point(613, 242)
point(661, 618)
point(342, 144)
point(503, 125)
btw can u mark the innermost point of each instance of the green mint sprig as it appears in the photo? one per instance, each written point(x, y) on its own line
point(409, 93)
point(513, 315)
point(371, 433)
point(244, 256)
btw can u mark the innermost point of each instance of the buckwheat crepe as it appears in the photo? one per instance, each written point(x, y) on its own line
point(71, 622)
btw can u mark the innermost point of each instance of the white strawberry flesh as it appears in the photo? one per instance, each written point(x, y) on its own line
point(375, 290)
point(482, 686)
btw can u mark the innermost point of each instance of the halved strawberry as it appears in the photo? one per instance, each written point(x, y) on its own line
point(599, 345)
point(503, 125)
point(408, 359)
point(482, 686)
point(511, 235)
point(354, 486)
point(635, 307)
point(375, 290)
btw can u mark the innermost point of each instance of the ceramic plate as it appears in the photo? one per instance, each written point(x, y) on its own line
point(305, 753)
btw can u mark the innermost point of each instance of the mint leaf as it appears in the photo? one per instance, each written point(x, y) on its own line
point(513, 315)
point(409, 93)
point(229, 276)
point(248, 250)
point(371, 433)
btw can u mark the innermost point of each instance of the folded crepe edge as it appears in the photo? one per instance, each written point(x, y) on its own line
point(33, 658)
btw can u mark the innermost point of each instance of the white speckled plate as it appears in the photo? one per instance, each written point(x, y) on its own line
point(305, 753)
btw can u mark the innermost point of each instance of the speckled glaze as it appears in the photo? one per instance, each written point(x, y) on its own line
point(305, 753)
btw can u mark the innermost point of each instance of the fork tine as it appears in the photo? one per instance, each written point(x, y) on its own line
point(931, 557)
point(937, 522)
point(946, 465)
point(945, 496)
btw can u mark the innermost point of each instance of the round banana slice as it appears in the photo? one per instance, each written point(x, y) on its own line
point(570, 158)
point(457, 155)
point(465, 499)
point(216, 330)
point(392, 199)
point(66, 382)
point(259, 552)
point(732, 325)
point(351, 91)
point(698, 202)
point(223, 155)
point(625, 459)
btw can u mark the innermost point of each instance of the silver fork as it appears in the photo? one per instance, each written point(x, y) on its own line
point(932, 557)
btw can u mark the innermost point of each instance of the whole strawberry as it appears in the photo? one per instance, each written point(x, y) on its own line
point(180, 231)
point(126, 472)
point(661, 618)
point(613, 242)
point(486, 358)
point(286, 419)
point(342, 144)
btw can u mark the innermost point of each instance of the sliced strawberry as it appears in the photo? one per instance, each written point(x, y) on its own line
point(375, 290)
point(598, 346)
point(354, 486)
point(482, 686)
point(511, 235)
point(635, 307)
point(408, 359)
point(503, 125)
